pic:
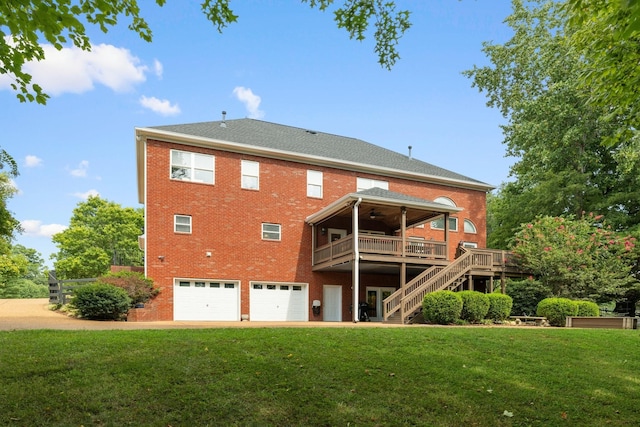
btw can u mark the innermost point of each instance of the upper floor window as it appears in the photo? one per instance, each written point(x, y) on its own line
point(194, 167)
point(271, 231)
point(182, 224)
point(314, 184)
point(366, 183)
point(250, 175)
point(469, 227)
point(438, 224)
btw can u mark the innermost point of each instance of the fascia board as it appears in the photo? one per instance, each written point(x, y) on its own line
point(196, 141)
point(350, 198)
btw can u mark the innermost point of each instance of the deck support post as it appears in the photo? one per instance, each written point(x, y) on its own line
point(356, 263)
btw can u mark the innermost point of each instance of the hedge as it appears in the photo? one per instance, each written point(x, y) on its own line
point(499, 306)
point(100, 301)
point(588, 309)
point(556, 310)
point(442, 307)
point(475, 306)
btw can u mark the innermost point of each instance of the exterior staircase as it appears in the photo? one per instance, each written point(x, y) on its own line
point(404, 304)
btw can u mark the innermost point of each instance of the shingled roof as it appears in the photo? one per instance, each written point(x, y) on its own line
point(313, 144)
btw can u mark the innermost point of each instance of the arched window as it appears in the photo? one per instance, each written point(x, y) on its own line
point(469, 227)
point(438, 224)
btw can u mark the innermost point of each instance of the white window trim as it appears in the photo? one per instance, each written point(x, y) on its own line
point(367, 183)
point(469, 245)
point(473, 229)
point(314, 180)
point(451, 218)
point(176, 224)
point(192, 168)
point(250, 169)
point(269, 232)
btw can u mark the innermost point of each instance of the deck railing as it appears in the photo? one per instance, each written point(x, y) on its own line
point(381, 245)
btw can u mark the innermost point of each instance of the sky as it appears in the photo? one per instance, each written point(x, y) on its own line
point(282, 62)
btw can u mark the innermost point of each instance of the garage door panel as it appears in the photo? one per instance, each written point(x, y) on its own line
point(209, 301)
point(277, 302)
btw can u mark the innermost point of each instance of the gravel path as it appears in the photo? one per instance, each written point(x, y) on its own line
point(21, 314)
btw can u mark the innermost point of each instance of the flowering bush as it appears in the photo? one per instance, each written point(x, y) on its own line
point(576, 258)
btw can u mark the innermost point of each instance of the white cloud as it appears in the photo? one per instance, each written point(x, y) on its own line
point(81, 170)
point(250, 100)
point(73, 70)
point(34, 227)
point(160, 106)
point(32, 161)
point(158, 68)
point(87, 194)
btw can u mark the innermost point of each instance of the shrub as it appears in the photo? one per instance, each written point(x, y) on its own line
point(499, 306)
point(442, 307)
point(587, 309)
point(475, 306)
point(526, 295)
point(556, 310)
point(139, 288)
point(100, 301)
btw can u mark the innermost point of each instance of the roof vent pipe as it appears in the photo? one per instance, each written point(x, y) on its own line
point(223, 124)
point(410, 147)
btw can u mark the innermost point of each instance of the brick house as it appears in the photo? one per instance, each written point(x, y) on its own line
point(251, 220)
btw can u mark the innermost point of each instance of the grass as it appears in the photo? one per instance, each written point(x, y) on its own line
point(321, 377)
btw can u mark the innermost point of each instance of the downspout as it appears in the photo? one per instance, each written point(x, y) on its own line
point(356, 262)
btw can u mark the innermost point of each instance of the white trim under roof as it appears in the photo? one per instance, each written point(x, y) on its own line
point(142, 134)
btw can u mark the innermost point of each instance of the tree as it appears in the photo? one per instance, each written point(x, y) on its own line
point(36, 270)
point(577, 258)
point(564, 165)
point(9, 226)
point(61, 21)
point(606, 34)
point(100, 233)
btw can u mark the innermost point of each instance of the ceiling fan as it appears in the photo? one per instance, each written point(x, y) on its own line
point(374, 214)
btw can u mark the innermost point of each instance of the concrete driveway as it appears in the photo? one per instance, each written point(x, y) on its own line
point(21, 314)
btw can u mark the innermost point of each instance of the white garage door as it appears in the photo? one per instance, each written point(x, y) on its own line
point(206, 300)
point(279, 302)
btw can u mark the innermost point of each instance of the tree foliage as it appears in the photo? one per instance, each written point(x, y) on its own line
point(100, 233)
point(59, 22)
point(606, 34)
point(9, 226)
point(577, 258)
point(566, 163)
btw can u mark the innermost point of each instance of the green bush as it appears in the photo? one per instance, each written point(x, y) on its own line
point(587, 309)
point(475, 306)
point(556, 310)
point(499, 306)
point(139, 288)
point(100, 301)
point(442, 307)
point(526, 295)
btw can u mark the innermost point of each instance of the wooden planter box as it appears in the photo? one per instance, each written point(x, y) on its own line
point(603, 322)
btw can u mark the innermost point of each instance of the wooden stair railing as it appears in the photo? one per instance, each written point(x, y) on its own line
point(431, 281)
point(393, 302)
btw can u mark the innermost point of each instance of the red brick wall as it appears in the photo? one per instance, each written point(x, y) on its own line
point(226, 221)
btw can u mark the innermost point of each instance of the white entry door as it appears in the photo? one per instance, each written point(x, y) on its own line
point(375, 297)
point(332, 303)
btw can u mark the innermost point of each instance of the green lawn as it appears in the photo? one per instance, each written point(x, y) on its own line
point(450, 376)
